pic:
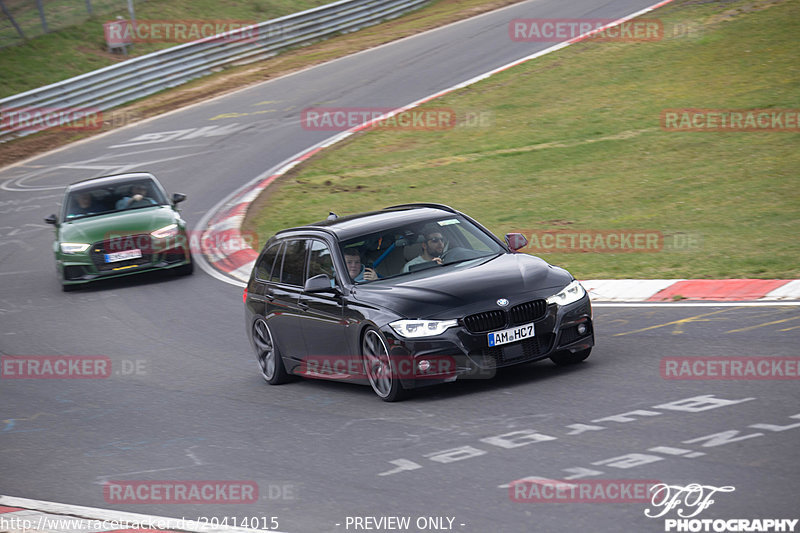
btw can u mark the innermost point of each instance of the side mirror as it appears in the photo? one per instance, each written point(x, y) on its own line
point(516, 241)
point(52, 219)
point(319, 283)
point(178, 197)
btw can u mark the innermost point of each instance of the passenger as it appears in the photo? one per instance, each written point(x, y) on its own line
point(432, 248)
point(354, 267)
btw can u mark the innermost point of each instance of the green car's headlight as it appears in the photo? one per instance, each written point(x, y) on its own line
point(166, 231)
point(74, 247)
point(421, 328)
point(569, 294)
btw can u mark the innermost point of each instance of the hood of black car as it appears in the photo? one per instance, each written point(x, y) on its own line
point(452, 291)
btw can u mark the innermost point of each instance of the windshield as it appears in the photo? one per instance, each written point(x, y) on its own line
point(102, 200)
point(407, 249)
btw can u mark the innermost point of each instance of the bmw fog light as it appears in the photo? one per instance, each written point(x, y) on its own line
point(424, 365)
point(581, 328)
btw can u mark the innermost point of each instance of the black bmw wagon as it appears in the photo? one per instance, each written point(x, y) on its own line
point(408, 296)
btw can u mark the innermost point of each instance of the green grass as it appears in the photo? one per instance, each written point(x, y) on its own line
point(81, 47)
point(575, 142)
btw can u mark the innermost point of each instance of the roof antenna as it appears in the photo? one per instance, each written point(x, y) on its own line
point(332, 216)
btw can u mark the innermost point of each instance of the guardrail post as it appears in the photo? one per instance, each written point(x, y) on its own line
point(13, 22)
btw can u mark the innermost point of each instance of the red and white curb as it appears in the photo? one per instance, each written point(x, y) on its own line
point(673, 290)
point(21, 515)
point(233, 264)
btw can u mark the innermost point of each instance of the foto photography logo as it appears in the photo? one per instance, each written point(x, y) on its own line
point(681, 507)
point(730, 120)
point(122, 32)
point(551, 30)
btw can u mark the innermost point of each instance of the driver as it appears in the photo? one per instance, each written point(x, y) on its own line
point(432, 248)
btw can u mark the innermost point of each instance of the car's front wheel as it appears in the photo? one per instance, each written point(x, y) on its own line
point(381, 371)
point(566, 357)
point(272, 369)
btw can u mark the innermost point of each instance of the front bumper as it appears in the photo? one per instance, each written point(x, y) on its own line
point(90, 266)
point(460, 354)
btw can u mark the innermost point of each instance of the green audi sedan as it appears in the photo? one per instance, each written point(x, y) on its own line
point(117, 226)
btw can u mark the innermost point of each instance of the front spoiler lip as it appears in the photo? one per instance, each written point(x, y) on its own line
point(109, 274)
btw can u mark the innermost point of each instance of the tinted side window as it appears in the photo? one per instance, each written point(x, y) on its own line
point(294, 260)
point(264, 267)
point(320, 260)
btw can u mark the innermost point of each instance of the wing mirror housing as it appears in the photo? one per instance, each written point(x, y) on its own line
point(178, 197)
point(319, 283)
point(516, 241)
point(52, 219)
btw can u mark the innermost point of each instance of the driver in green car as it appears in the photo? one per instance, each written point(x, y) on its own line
point(137, 198)
point(83, 204)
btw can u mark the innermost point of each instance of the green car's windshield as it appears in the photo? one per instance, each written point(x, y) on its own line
point(408, 249)
point(100, 201)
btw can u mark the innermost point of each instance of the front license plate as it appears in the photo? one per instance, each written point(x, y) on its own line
point(123, 256)
point(506, 336)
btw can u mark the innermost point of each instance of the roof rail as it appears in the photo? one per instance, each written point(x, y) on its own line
point(422, 204)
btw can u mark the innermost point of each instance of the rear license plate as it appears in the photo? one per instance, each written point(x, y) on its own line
point(496, 338)
point(123, 256)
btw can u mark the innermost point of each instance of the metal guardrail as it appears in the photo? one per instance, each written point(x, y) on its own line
point(114, 85)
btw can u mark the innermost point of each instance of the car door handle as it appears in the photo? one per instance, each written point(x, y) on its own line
point(302, 305)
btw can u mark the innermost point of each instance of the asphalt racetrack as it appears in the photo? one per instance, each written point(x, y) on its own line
point(185, 400)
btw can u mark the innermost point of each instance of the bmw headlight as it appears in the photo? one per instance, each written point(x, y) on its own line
point(571, 293)
point(74, 247)
point(166, 231)
point(421, 328)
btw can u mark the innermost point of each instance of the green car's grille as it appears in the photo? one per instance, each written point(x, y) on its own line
point(101, 249)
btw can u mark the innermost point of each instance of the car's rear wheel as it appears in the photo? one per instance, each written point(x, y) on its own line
point(566, 357)
point(380, 370)
point(272, 369)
